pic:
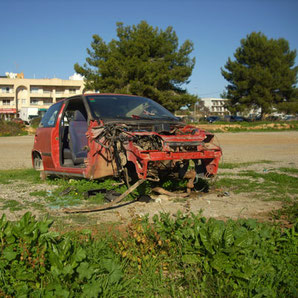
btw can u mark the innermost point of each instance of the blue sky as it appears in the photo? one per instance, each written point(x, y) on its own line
point(46, 38)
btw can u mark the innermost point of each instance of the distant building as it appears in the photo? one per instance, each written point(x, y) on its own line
point(215, 106)
point(17, 92)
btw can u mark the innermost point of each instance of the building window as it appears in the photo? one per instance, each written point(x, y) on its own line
point(34, 89)
point(72, 91)
point(34, 101)
point(6, 102)
point(48, 101)
point(6, 90)
point(60, 91)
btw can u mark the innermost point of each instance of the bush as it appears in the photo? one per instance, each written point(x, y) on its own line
point(9, 128)
point(35, 122)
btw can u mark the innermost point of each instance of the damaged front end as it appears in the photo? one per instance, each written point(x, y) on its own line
point(151, 151)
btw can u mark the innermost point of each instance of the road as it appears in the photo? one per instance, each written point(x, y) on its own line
point(15, 152)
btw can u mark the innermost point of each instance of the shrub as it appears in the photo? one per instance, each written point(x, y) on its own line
point(9, 128)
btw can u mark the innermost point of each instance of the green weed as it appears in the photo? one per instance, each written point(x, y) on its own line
point(278, 183)
point(289, 170)
point(227, 165)
point(71, 192)
point(236, 185)
point(169, 257)
point(39, 193)
point(12, 205)
point(255, 126)
point(288, 212)
point(272, 185)
point(28, 175)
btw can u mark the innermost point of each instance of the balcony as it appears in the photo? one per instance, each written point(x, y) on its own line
point(7, 95)
point(41, 94)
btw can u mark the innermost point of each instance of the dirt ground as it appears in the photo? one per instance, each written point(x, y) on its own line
point(280, 147)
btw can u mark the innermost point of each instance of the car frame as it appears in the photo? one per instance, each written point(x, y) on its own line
point(72, 140)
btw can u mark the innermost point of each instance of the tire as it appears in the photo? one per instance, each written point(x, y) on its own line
point(37, 162)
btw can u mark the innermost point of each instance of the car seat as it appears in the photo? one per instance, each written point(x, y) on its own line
point(77, 138)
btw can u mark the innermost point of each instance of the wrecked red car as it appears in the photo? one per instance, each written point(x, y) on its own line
point(131, 137)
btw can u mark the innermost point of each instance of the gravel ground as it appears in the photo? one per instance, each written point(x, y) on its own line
point(280, 147)
point(255, 146)
point(15, 152)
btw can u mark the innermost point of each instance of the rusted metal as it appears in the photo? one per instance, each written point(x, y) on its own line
point(163, 191)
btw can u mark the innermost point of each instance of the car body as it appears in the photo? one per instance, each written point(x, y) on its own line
point(235, 118)
point(132, 137)
point(212, 119)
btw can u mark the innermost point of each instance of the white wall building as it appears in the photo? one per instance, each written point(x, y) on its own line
point(216, 105)
point(17, 92)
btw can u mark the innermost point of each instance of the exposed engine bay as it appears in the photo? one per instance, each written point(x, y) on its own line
point(155, 151)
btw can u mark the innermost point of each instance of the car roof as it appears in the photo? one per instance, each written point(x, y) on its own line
point(98, 94)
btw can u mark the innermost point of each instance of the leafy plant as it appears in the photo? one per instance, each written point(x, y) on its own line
point(35, 261)
point(8, 128)
point(171, 256)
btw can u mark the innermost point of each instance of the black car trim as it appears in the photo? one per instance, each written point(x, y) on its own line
point(46, 154)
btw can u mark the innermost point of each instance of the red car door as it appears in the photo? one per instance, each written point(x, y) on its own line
point(46, 140)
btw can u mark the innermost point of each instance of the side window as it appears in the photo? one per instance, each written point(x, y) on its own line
point(50, 117)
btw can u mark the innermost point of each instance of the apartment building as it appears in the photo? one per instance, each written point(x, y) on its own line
point(16, 93)
point(216, 106)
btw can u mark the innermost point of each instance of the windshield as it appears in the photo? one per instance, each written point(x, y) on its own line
point(127, 107)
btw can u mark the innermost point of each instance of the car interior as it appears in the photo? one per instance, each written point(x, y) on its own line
point(73, 140)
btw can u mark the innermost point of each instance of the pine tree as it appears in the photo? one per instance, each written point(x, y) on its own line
point(262, 76)
point(144, 61)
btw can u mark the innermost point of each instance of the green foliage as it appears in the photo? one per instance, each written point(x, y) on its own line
point(72, 192)
point(37, 262)
point(28, 175)
point(144, 61)
point(228, 165)
point(272, 185)
point(35, 122)
point(289, 170)
point(8, 128)
point(288, 212)
point(196, 257)
point(12, 205)
point(256, 126)
point(262, 76)
point(169, 257)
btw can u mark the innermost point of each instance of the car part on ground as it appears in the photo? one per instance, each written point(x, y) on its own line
point(108, 205)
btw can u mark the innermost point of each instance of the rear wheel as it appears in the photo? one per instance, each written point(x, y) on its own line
point(38, 165)
point(37, 162)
